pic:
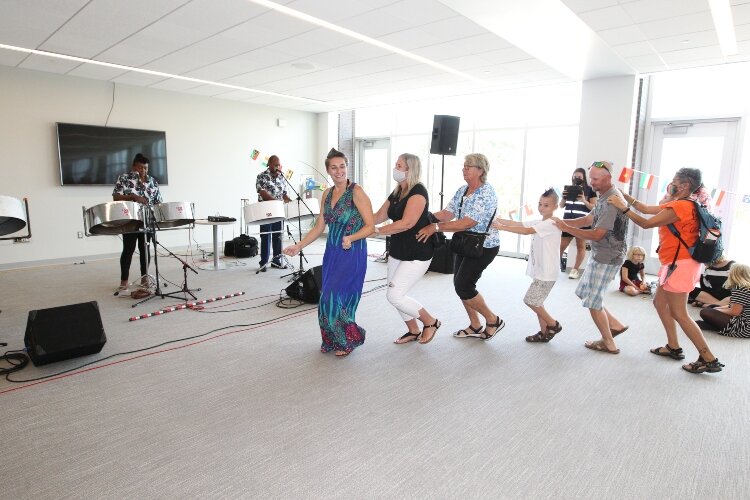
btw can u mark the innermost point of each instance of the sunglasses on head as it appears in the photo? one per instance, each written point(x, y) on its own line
point(601, 164)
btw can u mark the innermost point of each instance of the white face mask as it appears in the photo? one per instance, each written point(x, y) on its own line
point(399, 175)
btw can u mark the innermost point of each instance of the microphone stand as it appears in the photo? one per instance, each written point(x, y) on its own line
point(299, 272)
point(185, 266)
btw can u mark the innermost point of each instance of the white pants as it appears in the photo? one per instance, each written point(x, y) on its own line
point(402, 275)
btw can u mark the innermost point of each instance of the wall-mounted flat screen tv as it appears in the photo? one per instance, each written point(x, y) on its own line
point(95, 155)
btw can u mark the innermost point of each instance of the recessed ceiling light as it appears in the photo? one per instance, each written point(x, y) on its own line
point(685, 41)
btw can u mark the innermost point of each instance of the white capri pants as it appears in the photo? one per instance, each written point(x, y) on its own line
point(402, 276)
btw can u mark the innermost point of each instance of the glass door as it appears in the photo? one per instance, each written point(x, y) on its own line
point(373, 170)
point(705, 144)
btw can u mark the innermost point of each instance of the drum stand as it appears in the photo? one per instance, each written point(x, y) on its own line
point(185, 266)
point(299, 272)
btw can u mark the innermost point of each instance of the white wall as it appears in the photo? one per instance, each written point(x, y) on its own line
point(209, 142)
point(606, 124)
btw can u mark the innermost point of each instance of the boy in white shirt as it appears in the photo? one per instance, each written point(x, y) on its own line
point(544, 262)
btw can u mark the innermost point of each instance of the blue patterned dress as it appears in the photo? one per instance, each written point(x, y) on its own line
point(343, 276)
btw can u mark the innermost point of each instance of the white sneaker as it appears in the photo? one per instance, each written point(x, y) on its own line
point(123, 293)
point(574, 274)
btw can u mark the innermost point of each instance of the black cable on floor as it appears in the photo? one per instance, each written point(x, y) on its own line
point(17, 359)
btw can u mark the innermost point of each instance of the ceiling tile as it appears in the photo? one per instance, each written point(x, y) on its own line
point(701, 21)
point(607, 18)
point(634, 49)
point(623, 35)
point(741, 14)
point(50, 64)
point(28, 23)
point(579, 6)
point(96, 71)
point(11, 57)
point(697, 54)
point(642, 11)
point(686, 41)
point(649, 61)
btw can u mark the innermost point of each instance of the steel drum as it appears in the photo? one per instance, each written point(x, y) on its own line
point(304, 214)
point(12, 215)
point(115, 217)
point(265, 212)
point(173, 214)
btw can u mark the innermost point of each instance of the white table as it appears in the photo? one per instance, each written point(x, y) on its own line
point(204, 222)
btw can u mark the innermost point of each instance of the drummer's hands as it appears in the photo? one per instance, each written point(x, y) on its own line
point(140, 199)
point(346, 242)
point(292, 250)
point(424, 234)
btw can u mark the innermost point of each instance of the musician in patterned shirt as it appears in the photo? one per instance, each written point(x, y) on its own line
point(139, 187)
point(270, 185)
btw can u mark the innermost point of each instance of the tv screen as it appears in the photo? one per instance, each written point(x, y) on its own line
point(98, 155)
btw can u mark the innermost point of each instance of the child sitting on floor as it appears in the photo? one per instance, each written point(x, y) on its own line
point(544, 261)
point(732, 320)
point(632, 274)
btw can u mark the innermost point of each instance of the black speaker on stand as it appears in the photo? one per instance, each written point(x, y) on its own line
point(307, 287)
point(444, 142)
point(64, 332)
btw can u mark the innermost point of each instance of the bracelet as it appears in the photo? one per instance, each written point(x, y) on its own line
point(626, 210)
point(632, 202)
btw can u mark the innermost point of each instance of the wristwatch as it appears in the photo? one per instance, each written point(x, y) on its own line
point(437, 229)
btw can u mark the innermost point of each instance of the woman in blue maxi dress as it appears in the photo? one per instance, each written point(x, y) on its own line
point(347, 211)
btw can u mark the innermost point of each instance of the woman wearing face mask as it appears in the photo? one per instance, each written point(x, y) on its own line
point(576, 209)
point(679, 271)
point(408, 259)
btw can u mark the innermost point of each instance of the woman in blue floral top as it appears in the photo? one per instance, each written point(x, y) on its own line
point(472, 209)
point(348, 212)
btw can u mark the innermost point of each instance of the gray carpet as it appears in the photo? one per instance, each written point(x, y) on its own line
point(256, 411)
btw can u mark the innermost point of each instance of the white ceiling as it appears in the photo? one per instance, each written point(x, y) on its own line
point(499, 43)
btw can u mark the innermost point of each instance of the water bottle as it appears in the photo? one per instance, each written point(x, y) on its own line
point(564, 261)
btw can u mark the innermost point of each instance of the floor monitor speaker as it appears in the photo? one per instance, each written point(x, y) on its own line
point(64, 332)
point(444, 135)
point(307, 287)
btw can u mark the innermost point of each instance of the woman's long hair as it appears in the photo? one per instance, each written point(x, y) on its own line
point(413, 174)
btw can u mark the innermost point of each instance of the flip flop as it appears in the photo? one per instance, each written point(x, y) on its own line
point(407, 337)
point(437, 324)
point(463, 334)
point(615, 333)
point(598, 345)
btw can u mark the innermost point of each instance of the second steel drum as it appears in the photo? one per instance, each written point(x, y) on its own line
point(303, 214)
point(173, 214)
point(264, 212)
point(114, 217)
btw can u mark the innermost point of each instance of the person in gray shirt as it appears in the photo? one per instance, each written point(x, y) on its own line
point(608, 248)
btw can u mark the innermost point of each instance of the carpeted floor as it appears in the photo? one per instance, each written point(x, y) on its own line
point(249, 408)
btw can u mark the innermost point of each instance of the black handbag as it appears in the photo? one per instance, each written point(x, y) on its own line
point(469, 243)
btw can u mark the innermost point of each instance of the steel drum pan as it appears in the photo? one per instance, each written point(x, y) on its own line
point(12, 215)
point(115, 217)
point(173, 214)
point(264, 212)
point(303, 214)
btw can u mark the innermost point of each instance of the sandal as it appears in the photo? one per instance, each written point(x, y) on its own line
point(407, 337)
point(615, 333)
point(599, 345)
point(342, 354)
point(672, 353)
point(537, 337)
point(701, 365)
point(437, 324)
point(498, 325)
point(545, 337)
point(463, 334)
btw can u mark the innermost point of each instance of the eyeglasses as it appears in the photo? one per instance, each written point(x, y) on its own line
point(470, 166)
point(602, 164)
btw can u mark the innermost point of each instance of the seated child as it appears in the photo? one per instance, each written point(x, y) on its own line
point(732, 320)
point(632, 275)
point(544, 261)
point(711, 291)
